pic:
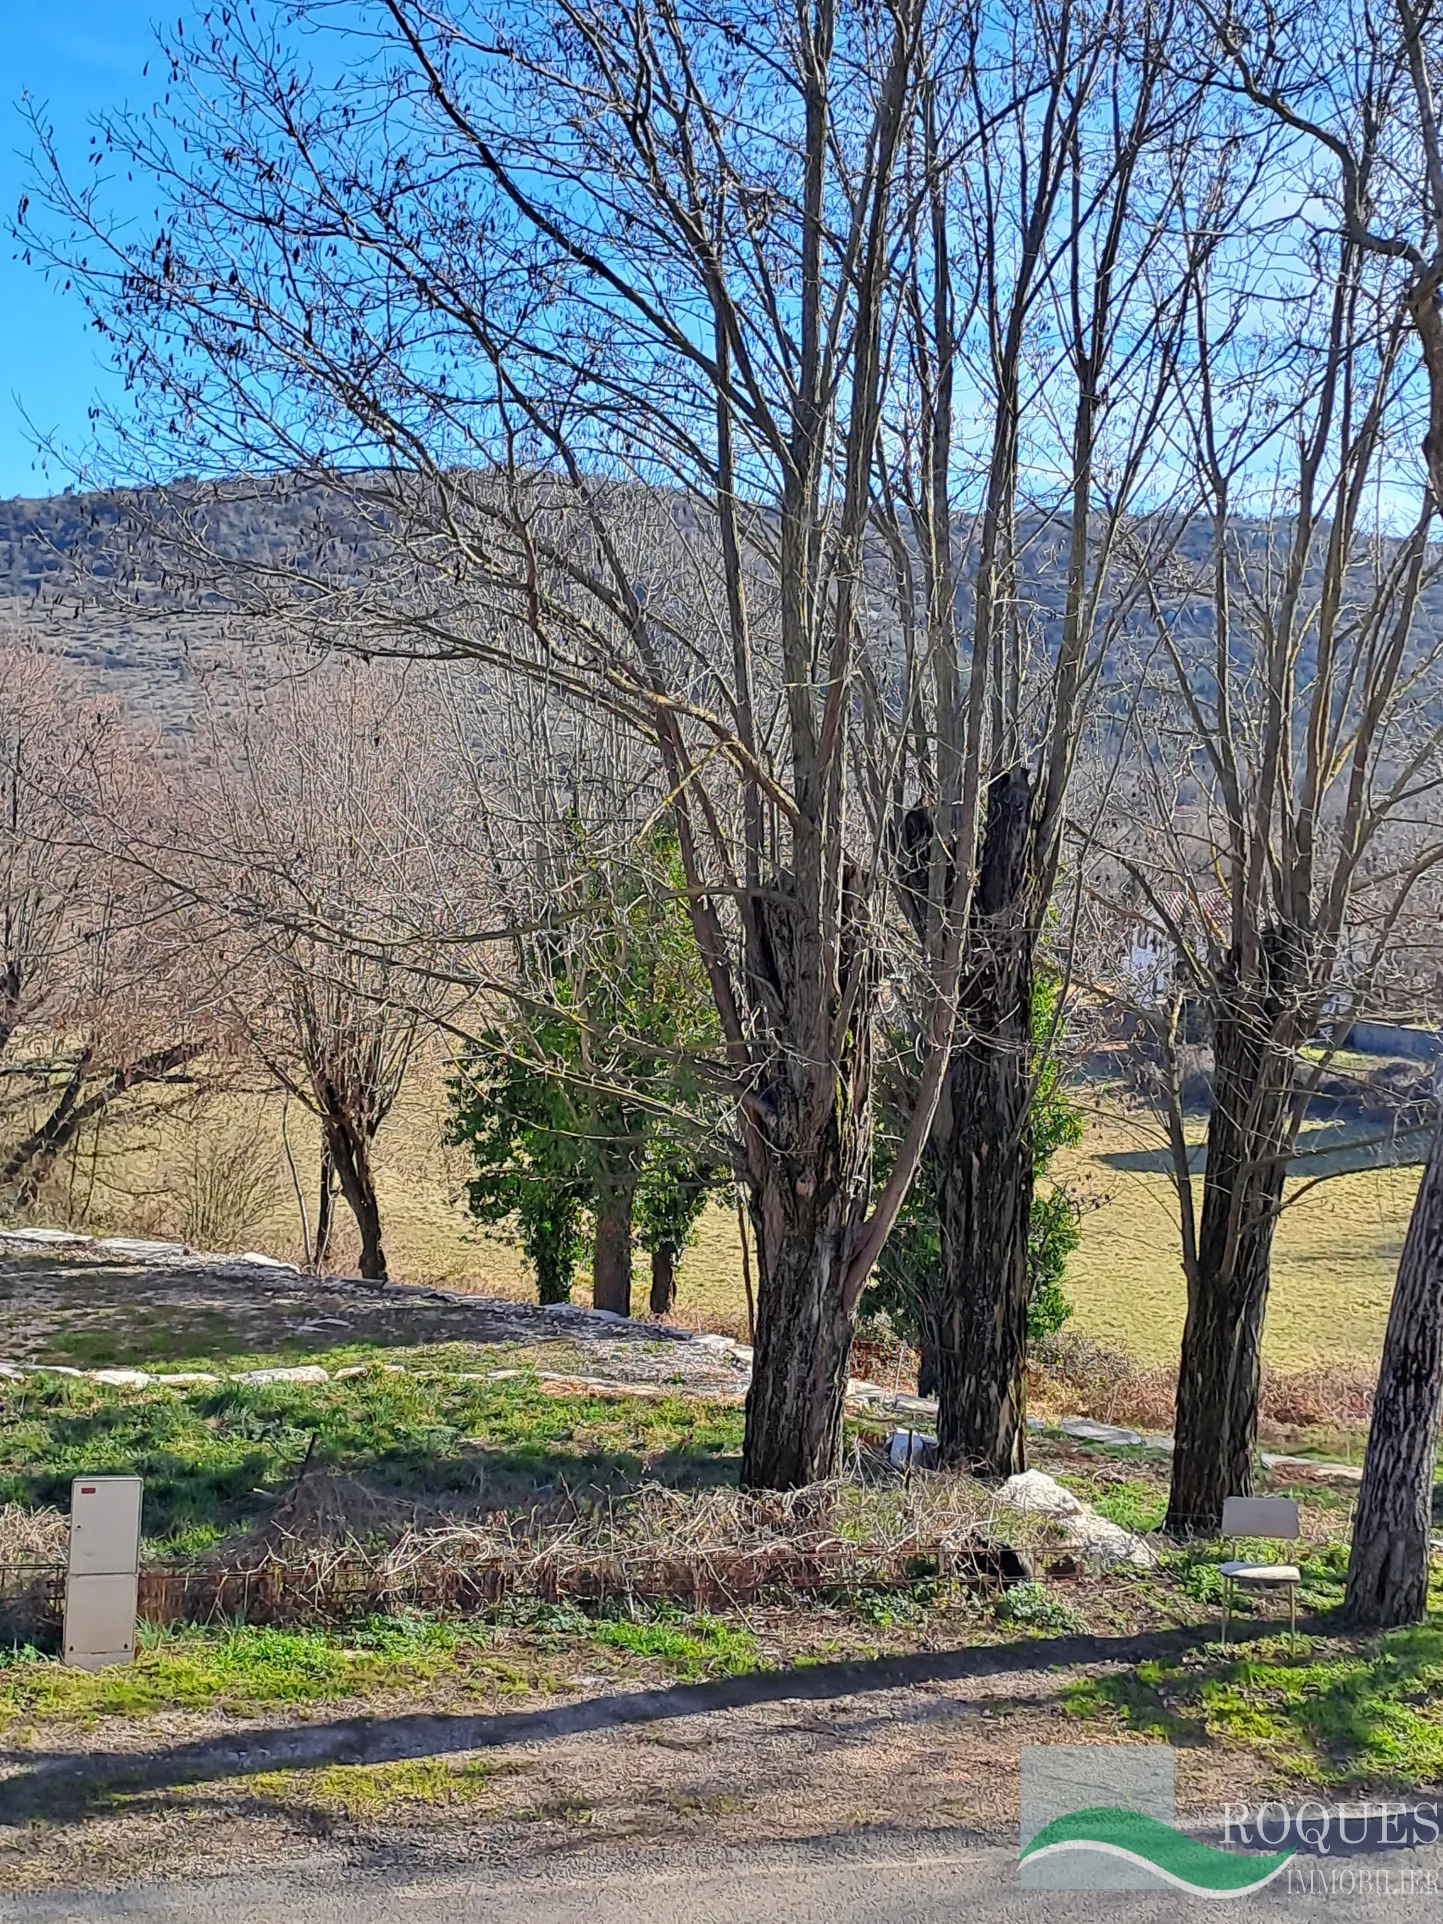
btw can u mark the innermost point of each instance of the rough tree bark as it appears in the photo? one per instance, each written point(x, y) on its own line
point(803, 1332)
point(981, 1155)
point(809, 1169)
point(1250, 1130)
point(1388, 1566)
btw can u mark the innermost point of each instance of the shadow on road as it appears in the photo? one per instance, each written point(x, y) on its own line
point(64, 1785)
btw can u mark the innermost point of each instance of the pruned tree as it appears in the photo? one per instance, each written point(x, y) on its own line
point(306, 870)
point(1280, 809)
point(582, 314)
point(1051, 275)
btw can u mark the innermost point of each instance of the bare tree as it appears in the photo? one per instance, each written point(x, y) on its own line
point(1281, 806)
point(93, 1015)
point(1050, 275)
point(306, 871)
point(598, 299)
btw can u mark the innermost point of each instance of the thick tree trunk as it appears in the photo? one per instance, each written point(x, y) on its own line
point(803, 1341)
point(663, 1283)
point(808, 1136)
point(350, 1154)
point(981, 1156)
point(984, 1199)
point(611, 1257)
point(1249, 1132)
point(1388, 1567)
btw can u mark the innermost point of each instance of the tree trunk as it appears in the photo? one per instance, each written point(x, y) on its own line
point(34, 1158)
point(808, 1139)
point(325, 1211)
point(981, 1155)
point(611, 1258)
point(1388, 1566)
point(803, 1341)
point(984, 1199)
point(350, 1154)
point(1249, 1133)
point(663, 1282)
point(36, 1151)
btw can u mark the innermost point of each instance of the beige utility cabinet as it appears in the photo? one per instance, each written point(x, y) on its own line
point(104, 1573)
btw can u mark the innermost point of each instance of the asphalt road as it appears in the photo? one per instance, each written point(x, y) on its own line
point(894, 1880)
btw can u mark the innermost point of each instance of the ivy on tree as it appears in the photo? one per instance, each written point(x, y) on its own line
point(909, 1268)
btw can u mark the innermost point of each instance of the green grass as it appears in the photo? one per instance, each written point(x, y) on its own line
point(364, 1793)
point(244, 1669)
point(1136, 1505)
point(213, 1459)
point(693, 1647)
point(1335, 1257)
point(1331, 1715)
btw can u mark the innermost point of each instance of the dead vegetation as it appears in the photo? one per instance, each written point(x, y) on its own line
point(1072, 1375)
point(335, 1550)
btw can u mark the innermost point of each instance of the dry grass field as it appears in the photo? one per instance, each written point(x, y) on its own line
point(217, 1175)
point(1334, 1260)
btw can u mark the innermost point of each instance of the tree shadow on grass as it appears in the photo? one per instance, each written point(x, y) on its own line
point(201, 1313)
point(221, 1460)
point(1330, 1149)
point(1359, 1717)
point(64, 1786)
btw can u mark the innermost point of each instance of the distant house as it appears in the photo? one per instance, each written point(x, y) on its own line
point(1203, 916)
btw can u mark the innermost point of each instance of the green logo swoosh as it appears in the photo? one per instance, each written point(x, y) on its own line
point(1181, 1861)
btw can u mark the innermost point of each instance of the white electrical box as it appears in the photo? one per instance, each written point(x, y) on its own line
point(103, 1581)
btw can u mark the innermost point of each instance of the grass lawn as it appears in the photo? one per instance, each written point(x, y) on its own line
point(1335, 1714)
point(1334, 1260)
point(214, 1460)
point(1336, 1254)
point(247, 1670)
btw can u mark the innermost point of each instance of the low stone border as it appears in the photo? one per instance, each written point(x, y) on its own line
point(862, 1397)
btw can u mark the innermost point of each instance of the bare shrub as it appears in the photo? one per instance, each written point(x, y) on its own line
point(227, 1185)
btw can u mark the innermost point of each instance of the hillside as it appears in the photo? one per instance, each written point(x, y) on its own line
point(98, 574)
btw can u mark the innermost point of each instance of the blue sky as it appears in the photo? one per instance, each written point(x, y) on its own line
point(77, 56)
